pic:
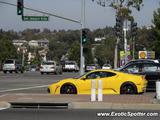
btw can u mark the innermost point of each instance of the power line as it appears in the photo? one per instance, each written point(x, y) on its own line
point(50, 14)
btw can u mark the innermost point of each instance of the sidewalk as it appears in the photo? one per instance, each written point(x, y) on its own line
point(144, 101)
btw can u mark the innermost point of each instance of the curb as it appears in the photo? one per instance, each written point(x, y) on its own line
point(117, 106)
point(4, 105)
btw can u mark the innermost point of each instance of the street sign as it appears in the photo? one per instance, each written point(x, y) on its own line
point(35, 18)
point(146, 54)
point(142, 54)
point(151, 54)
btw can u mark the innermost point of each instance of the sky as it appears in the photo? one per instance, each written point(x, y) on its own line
point(96, 16)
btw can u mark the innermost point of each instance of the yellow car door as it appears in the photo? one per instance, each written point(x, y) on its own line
point(109, 82)
point(84, 83)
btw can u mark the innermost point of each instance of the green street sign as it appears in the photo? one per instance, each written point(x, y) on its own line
point(35, 18)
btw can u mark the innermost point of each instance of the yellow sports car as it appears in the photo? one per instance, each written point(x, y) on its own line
point(113, 82)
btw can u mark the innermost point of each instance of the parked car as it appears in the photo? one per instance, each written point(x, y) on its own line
point(143, 60)
point(12, 65)
point(70, 66)
point(90, 67)
point(33, 68)
point(106, 66)
point(114, 82)
point(50, 67)
point(149, 69)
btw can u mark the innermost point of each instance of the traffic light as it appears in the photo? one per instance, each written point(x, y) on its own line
point(84, 36)
point(119, 27)
point(133, 29)
point(19, 7)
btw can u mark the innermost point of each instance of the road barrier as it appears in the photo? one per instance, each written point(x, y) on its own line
point(158, 90)
point(100, 94)
point(93, 90)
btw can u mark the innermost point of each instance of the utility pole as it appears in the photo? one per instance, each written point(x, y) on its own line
point(116, 53)
point(81, 45)
point(125, 41)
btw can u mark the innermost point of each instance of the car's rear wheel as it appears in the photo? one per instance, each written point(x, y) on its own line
point(128, 89)
point(68, 89)
point(4, 72)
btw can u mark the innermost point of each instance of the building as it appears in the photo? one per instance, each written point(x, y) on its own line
point(33, 43)
point(43, 43)
point(39, 43)
point(19, 42)
point(99, 39)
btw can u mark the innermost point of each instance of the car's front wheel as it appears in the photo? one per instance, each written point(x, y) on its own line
point(128, 89)
point(68, 89)
point(41, 73)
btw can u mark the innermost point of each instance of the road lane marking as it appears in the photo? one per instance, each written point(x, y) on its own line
point(3, 95)
point(27, 88)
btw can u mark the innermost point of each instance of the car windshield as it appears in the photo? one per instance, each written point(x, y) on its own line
point(106, 65)
point(9, 62)
point(70, 63)
point(48, 63)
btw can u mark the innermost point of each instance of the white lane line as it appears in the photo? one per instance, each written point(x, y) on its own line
point(3, 108)
point(18, 89)
point(3, 95)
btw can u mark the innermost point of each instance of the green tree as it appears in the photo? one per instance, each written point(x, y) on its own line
point(74, 52)
point(105, 52)
point(7, 50)
point(156, 22)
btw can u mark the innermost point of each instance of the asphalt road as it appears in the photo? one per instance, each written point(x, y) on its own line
point(29, 82)
point(77, 114)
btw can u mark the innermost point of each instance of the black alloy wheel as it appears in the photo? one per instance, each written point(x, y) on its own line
point(128, 89)
point(68, 89)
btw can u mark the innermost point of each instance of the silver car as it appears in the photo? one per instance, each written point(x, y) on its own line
point(50, 67)
point(12, 65)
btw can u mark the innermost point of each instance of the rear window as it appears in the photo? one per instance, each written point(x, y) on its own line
point(48, 63)
point(70, 63)
point(9, 61)
point(150, 68)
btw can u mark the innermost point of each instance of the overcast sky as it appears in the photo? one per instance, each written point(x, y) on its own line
point(96, 16)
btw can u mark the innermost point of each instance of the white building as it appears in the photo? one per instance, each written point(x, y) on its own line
point(39, 43)
point(33, 43)
point(99, 39)
point(19, 42)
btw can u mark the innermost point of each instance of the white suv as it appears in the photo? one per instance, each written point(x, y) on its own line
point(50, 67)
point(70, 66)
point(11, 65)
